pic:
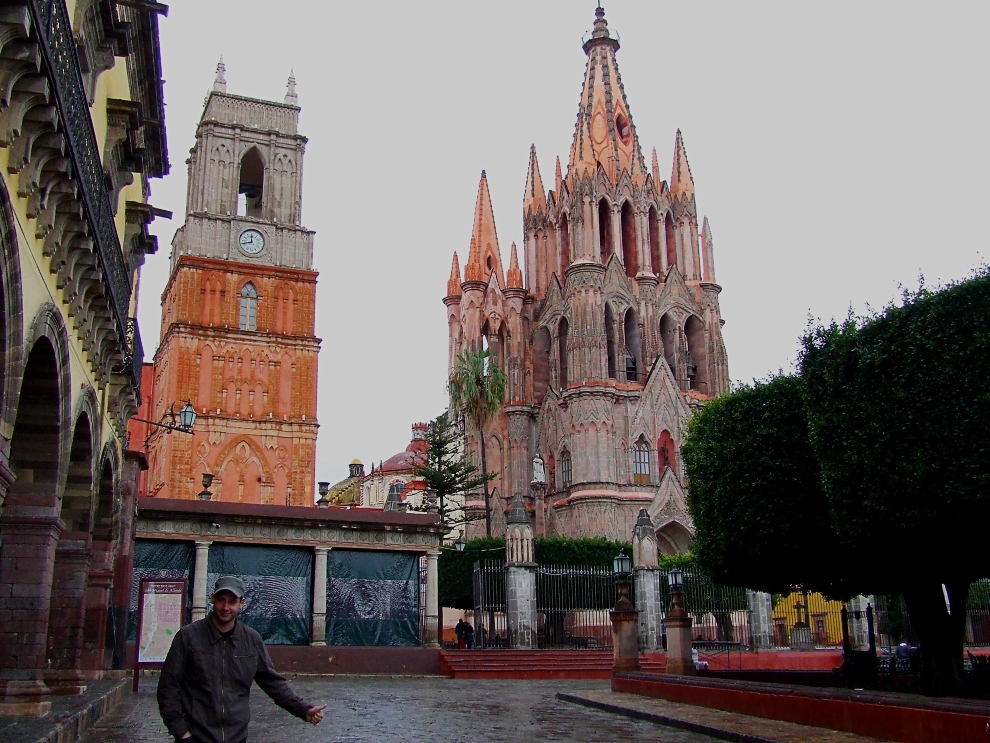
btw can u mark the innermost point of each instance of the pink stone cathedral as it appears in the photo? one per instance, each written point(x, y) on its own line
point(611, 338)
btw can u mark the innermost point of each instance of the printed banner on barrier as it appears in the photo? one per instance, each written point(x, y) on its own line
point(160, 615)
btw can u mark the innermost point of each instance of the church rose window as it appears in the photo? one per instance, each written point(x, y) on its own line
point(249, 307)
point(641, 462)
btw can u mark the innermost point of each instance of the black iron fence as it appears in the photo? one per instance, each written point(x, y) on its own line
point(573, 604)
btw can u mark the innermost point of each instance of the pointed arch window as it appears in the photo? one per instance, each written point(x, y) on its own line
point(249, 307)
point(641, 462)
point(565, 469)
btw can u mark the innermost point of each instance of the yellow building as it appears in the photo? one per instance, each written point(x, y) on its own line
point(82, 132)
point(823, 616)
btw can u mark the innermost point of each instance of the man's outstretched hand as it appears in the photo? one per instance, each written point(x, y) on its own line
point(315, 714)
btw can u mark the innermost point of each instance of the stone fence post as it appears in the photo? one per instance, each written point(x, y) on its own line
point(319, 636)
point(201, 592)
point(760, 619)
point(646, 582)
point(520, 578)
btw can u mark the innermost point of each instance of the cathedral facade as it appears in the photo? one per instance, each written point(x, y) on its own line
point(238, 314)
point(609, 331)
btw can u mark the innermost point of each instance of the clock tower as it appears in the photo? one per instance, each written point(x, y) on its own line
point(238, 313)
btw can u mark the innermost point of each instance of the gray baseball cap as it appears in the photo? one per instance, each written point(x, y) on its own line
point(230, 583)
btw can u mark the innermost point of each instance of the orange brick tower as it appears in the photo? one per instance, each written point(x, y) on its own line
point(238, 314)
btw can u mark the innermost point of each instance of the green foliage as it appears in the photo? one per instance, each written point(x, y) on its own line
point(899, 412)
point(761, 518)
point(477, 389)
point(447, 469)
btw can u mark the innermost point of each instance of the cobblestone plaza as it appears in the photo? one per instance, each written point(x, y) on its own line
point(417, 709)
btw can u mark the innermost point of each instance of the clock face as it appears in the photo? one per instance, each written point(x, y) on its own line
point(252, 242)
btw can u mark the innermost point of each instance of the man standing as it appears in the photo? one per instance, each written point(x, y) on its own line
point(206, 680)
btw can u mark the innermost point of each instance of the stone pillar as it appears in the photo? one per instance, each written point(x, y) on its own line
point(201, 591)
point(625, 643)
point(319, 636)
point(96, 601)
point(646, 578)
point(432, 600)
point(760, 620)
point(680, 660)
point(859, 632)
point(29, 532)
point(123, 566)
point(520, 578)
point(66, 614)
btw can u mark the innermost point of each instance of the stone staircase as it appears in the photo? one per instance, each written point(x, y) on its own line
point(536, 664)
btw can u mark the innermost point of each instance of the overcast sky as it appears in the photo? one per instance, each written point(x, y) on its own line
point(839, 149)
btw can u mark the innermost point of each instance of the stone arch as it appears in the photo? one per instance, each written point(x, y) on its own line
point(605, 237)
point(610, 344)
point(627, 221)
point(670, 240)
point(668, 337)
point(248, 306)
point(77, 498)
point(674, 538)
point(666, 453)
point(653, 230)
point(251, 183)
point(562, 331)
point(633, 361)
point(541, 363)
point(42, 431)
point(240, 462)
point(11, 324)
point(106, 515)
point(565, 245)
point(697, 354)
point(212, 301)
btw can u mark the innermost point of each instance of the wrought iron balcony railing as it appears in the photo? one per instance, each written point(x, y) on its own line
point(136, 355)
point(58, 47)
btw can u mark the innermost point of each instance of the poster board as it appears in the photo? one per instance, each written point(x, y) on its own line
point(161, 611)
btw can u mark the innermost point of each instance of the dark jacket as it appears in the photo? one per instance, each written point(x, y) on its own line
point(206, 680)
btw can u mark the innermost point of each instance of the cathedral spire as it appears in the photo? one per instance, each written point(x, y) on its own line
point(485, 256)
point(535, 199)
point(604, 135)
point(656, 170)
point(558, 180)
point(454, 282)
point(220, 83)
point(681, 182)
point(290, 94)
point(514, 279)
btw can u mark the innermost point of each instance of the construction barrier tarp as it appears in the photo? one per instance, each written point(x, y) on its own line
point(160, 559)
point(372, 598)
point(279, 583)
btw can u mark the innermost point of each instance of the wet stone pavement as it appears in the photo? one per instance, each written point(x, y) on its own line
point(414, 709)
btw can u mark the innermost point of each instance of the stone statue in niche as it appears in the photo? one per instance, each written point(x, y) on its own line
point(539, 473)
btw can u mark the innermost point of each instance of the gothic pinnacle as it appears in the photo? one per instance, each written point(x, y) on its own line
point(514, 279)
point(220, 83)
point(454, 282)
point(290, 94)
point(535, 197)
point(681, 181)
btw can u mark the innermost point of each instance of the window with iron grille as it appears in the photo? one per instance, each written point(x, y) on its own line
point(249, 307)
point(565, 468)
point(641, 462)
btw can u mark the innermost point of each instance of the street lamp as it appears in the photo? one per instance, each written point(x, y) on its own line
point(676, 579)
point(621, 564)
point(622, 567)
point(205, 493)
point(460, 544)
point(184, 423)
point(323, 502)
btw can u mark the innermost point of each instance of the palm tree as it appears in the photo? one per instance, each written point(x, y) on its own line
point(477, 389)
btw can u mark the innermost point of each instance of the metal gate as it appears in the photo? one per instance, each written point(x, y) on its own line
point(572, 606)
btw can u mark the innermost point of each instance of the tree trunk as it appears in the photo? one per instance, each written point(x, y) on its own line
point(940, 633)
point(484, 473)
